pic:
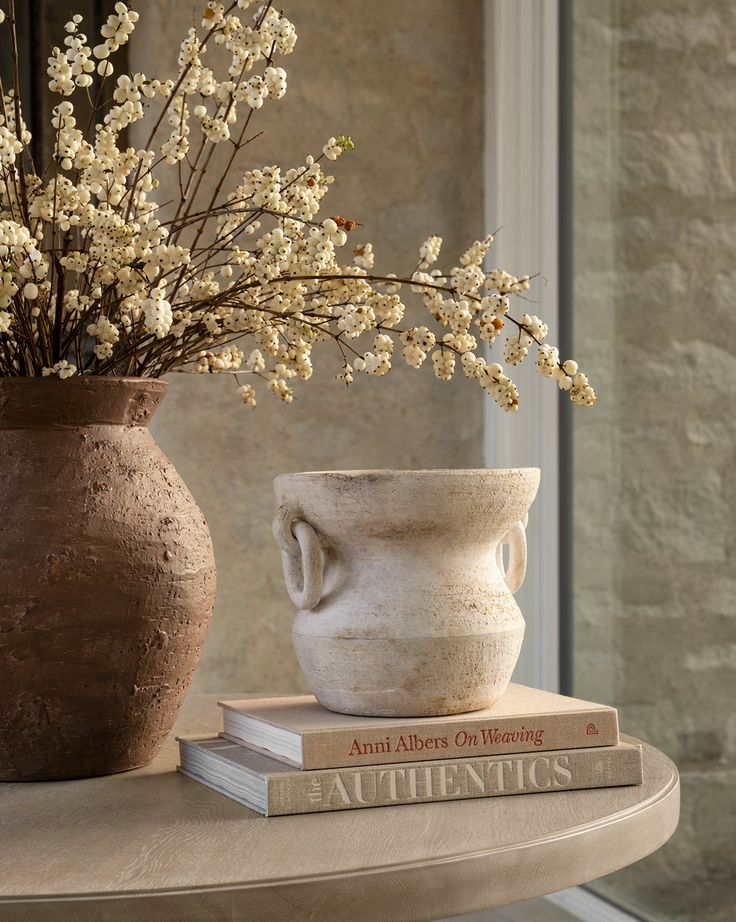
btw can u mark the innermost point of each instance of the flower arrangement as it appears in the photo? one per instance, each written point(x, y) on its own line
point(96, 278)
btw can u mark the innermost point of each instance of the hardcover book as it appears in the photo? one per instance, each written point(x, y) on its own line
point(300, 732)
point(274, 789)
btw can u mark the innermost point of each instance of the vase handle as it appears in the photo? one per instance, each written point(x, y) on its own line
point(516, 540)
point(301, 556)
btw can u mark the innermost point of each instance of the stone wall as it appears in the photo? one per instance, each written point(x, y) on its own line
point(655, 627)
point(406, 82)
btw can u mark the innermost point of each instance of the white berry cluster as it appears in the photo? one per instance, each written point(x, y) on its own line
point(531, 330)
point(12, 141)
point(98, 277)
point(106, 334)
point(363, 256)
point(429, 251)
point(227, 359)
point(378, 360)
point(63, 369)
point(157, 313)
point(499, 386)
point(444, 363)
point(275, 80)
point(247, 394)
point(567, 375)
point(336, 146)
point(417, 343)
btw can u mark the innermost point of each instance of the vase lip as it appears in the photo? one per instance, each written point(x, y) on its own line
point(380, 473)
point(413, 496)
point(506, 476)
point(76, 380)
point(34, 402)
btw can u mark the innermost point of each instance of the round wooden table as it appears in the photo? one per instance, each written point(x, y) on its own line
point(153, 845)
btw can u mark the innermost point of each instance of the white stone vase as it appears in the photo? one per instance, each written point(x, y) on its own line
point(405, 608)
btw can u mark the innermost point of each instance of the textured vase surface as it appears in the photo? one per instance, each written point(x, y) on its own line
point(107, 580)
point(405, 605)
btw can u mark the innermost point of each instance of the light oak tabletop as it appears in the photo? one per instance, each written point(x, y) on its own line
point(153, 846)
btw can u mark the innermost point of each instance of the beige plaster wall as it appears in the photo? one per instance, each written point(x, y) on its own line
point(655, 505)
point(405, 80)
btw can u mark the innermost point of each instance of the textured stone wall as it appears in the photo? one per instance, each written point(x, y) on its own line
point(405, 80)
point(655, 584)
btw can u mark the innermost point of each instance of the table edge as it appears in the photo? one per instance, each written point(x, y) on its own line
point(667, 799)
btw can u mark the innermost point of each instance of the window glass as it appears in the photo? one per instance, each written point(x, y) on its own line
point(653, 523)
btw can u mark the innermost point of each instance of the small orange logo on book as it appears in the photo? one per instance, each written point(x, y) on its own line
point(591, 730)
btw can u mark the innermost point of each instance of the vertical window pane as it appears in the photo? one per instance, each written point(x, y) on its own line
point(654, 582)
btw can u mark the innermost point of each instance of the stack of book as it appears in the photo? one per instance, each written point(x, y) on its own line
point(289, 755)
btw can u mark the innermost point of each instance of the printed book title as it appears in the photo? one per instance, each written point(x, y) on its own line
point(433, 782)
point(463, 739)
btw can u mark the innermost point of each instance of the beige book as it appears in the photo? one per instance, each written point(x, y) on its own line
point(275, 789)
point(300, 732)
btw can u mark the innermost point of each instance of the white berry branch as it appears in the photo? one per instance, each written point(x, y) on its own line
point(241, 276)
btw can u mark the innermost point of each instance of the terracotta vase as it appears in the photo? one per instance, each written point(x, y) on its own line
point(107, 579)
point(404, 605)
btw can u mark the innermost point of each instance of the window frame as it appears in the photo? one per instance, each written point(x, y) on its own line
point(522, 197)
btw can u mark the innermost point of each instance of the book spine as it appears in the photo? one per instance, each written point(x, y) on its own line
point(486, 737)
point(380, 785)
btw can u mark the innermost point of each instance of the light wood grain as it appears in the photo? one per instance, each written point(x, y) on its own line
point(153, 845)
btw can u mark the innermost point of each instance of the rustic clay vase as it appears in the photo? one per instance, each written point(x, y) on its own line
point(405, 608)
point(107, 579)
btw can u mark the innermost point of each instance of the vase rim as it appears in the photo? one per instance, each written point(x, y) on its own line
point(418, 472)
point(34, 402)
point(76, 379)
point(397, 503)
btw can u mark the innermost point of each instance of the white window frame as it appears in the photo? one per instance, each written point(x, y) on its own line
point(522, 196)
